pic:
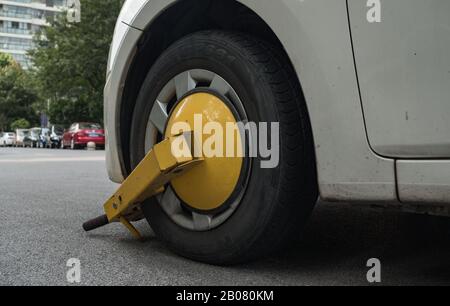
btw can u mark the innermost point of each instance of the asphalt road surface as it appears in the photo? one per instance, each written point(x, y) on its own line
point(45, 196)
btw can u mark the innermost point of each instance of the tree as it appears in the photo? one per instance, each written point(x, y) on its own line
point(16, 96)
point(70, 62)
point(20, 124)
point(5, 60)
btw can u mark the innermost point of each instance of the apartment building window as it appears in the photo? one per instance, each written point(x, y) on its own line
point(15, 34)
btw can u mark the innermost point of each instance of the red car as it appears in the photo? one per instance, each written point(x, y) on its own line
point(80, 134)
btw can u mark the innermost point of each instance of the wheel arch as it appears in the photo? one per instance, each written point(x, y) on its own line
point(176, 20)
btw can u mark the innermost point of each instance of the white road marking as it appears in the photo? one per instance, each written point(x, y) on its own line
point(53, 159)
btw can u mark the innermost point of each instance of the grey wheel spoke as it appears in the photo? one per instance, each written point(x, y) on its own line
point(171, 203)
point(167, 93)
point(220, 85)
point(201, 222)
point(184, 83)
point(159, 116)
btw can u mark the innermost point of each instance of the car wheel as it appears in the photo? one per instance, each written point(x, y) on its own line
point(268, 206)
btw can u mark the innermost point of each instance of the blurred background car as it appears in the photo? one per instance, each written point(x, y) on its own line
point(20, 136)
point(56, 133)
point(33, 138)
point(80, 134)
point(7, 139)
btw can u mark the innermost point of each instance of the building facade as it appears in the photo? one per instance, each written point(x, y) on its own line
point(20, 20)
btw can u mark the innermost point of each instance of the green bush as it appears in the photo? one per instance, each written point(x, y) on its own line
point(20, 124)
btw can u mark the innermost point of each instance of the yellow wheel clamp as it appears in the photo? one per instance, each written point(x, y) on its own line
point(154, 172)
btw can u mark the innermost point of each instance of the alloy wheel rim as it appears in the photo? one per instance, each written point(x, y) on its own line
point(177, 88)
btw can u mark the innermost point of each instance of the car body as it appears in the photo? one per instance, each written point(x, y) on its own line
point(80, 134)
point(32, 139)
point(376, 93)
point(20, 135)
point(7, 139)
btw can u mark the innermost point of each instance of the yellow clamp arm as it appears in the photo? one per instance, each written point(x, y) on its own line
point(156, 170)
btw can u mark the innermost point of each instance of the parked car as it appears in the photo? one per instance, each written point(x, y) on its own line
point(56, 134)
point(80, 134)
point(363, 110)
point(7, 139)
point(20, 135)
point(32, 139)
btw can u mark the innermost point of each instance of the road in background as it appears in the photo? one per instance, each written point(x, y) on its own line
point(45, 196)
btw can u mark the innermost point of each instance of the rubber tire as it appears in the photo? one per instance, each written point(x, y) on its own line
point(278, 201)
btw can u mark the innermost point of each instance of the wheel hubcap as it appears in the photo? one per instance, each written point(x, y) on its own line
point(207, 187)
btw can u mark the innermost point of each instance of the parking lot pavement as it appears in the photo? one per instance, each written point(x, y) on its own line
point(45, 195)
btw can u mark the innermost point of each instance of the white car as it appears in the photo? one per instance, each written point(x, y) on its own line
point(20, 136)
point(7, 139)
point(360, 90)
